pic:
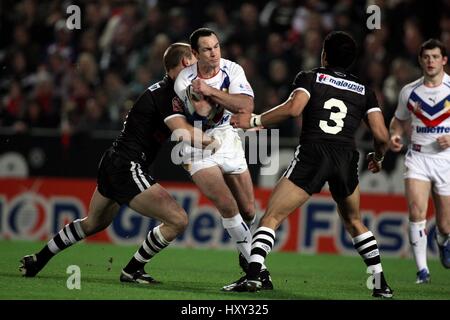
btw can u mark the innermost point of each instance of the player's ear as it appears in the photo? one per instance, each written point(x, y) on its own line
point(185, 62)
point(195, 53)
point(444, 60)
point(419, 58)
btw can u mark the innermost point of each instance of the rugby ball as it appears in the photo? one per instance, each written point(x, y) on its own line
point(192, 96)
point(216, 110)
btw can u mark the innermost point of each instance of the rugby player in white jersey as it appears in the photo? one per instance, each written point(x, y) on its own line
point(222, 177)
point(423, 113)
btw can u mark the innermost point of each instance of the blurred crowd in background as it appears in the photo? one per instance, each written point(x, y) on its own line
point(86, 79)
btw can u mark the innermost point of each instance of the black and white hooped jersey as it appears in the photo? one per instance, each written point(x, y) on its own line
point(429, 111)
point(144, 129)
point(337, 104)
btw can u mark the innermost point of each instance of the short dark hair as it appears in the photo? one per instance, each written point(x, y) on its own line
point(432, 44)
point(201, 32)
point(340, 49)
point(174, 53)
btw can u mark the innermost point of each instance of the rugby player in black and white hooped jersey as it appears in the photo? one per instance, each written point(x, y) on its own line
point(123, 175)
point(332, 103)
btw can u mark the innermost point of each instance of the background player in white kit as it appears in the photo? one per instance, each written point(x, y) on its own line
point(423, 111)
point(222, 177)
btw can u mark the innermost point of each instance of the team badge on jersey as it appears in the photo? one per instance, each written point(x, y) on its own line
point(177, 104)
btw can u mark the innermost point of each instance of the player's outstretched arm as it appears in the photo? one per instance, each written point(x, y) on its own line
point(232, 102)
point(375, 121)
point(186, 132)
point(292, 107)
point(397, 129)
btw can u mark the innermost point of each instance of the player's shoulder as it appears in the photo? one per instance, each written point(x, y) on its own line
point(412, 85)
point(446, 79)
point(305, 76)
point(147, 99)
point(188, 73)
point(308, 73)
point(229, 66)
point(164, 84)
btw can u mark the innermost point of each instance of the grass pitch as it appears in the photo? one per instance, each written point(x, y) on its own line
point(198, 274)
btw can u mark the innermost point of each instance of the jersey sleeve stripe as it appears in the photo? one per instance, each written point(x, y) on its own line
point(375, 109)
point(304, 90)
point(173, 116)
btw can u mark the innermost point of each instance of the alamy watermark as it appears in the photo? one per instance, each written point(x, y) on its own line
point(262, 147)
point(374, 20)
point(74, 280)
point(74, 20)
point(374, 280)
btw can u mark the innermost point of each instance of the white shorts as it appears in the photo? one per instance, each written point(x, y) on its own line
point(230, 157)
point(422, 166)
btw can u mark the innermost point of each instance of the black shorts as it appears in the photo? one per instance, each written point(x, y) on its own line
point(315, 164)
point(120, 179)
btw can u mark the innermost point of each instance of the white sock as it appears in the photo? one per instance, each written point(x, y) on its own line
point(240, 234)
point(418, 240)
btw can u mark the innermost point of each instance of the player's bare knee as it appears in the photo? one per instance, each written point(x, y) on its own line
point(178, 221)
point(182, 222)
point(417, 212)
point(248, 211)
point(226, 207)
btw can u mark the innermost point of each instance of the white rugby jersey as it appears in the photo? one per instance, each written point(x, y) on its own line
point(230, 78)
point(429, 111)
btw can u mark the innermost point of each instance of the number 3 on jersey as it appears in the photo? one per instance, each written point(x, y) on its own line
point(336, 117)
